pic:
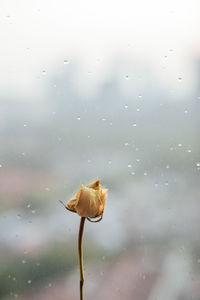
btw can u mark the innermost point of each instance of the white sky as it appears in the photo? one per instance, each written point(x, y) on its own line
point(39, 35)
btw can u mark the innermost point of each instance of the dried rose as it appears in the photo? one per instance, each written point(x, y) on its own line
point(89, 201)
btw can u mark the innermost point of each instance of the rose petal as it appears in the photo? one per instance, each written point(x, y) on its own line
point(89, 203)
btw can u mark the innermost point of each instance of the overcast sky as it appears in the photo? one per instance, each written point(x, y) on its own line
point(38, 36)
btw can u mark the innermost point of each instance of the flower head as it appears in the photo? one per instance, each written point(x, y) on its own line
point(89, 201)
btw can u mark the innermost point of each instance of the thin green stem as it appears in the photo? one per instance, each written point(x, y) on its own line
point(80, 252)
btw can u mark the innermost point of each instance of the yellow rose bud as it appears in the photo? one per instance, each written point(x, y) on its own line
point(89, 201)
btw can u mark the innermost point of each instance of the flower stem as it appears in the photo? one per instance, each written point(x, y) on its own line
point(80, 252)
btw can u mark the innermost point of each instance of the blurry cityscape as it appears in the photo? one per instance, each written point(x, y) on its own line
point(144, 146)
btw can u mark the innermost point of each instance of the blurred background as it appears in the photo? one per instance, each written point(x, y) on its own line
point(109, 90)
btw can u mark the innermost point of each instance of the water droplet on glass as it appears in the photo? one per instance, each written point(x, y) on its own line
point(66, 62)
point(47, 189)
point(138, 109)
point(29, 281)
point(139, 96)
point(166, 183)
point(78, 118)
point(129, 166)
point(29, 205)
point(137, 159)
point(103, 119)
point(145, 173)
point(0, 166)
point(89, 161)
point(50, 284)
point(167, 166)
point(185, 111)
point(198, 164)
point(126, 144)
point(43, 72)
point(24, 261)
point(180, 145)
point(180, 78)
point(110, 162)
point(33, 211)
point(125, 106)
point(25, 125)
point(127, 77)
point(134, 124)
point(189, 150)
point(133, 173)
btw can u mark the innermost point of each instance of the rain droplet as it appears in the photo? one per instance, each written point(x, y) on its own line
point(33, 211)
point(132, 173)
point(189, 150)
point(103, 119)
point(50, 284)
point(43, 72)
point(89, 161)
point(167, 167)
point(166, 183)
point(25, 125)
point(66, 62)
point(29, 205)
point(126, 144)
point(138, 109)
point(0, 166)
point(198, 164)
point(145, 173)
point(134, 124)
point(127, 77)
point(140, 96)
point(110, 162)
point(185, 111)
point(180, 145)
point(24, 261)
point(126, 106)
point(29, 281)
point(180, 78)
point(78, 118)
point(129, 166)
